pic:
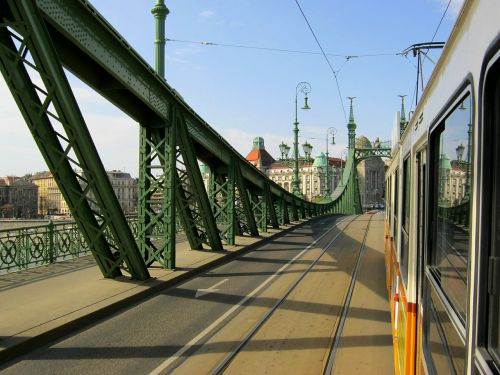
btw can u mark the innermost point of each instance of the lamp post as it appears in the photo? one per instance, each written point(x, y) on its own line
point(463, 107)
point(330, 131)
point(305, 88)
point(284, 150)
point(460, 153)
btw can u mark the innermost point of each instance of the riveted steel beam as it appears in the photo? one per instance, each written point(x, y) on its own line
point(54, 118)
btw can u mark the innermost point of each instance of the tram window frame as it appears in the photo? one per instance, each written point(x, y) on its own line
point(421, 209)
point(489, 256)
point(435, 292)
point(396, 206)
point(405, 219)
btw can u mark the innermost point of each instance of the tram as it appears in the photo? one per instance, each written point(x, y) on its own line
point(443, 209)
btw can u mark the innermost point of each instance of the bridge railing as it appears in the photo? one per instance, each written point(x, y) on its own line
point(33, 246)
point(37, 245)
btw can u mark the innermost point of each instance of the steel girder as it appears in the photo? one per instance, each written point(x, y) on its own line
point(172, 139)
point(246, 222)
point(346, 196)
point(193, 202)
point(157, 194)
point(221, 190)
point(366, 153)
point(271, 206)
point(260, 209)
point(54, 119)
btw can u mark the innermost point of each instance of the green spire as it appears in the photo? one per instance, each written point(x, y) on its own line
point(351, 126)
point(402, 121)
point(351, 112)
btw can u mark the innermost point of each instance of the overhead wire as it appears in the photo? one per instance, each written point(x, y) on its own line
point(441, 21)
point(243, 46)
point(326, 58)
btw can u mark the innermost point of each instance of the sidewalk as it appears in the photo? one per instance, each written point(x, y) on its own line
point(45, 303)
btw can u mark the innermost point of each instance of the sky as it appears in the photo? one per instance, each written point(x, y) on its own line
point(245, 93)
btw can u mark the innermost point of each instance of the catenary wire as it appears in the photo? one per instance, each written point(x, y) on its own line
point(326, 58)
point(285, 50)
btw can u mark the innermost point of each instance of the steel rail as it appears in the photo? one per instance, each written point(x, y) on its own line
point(228, 359)
point(215, 327)
point(345, 307)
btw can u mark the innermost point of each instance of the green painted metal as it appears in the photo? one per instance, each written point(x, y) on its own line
point(160, 12)
point(194, 190)
point(53, 116)
point(245, 215)
point(221, 189)
point(295, 211)
point(402, 121)
point(260, 208)
point(271, 206)
point(157, 194)
point(366, 153)
point(33, 246)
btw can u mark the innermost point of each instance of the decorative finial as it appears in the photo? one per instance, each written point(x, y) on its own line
point(160, 10)
point(403, 115)
point(351, 112)
point(402, 121)
point(351, 126)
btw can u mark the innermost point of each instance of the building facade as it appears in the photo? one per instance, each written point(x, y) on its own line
point(18, 197)
point(125, 188)
point(312, 171)
point(52, 202)
point(50, 199)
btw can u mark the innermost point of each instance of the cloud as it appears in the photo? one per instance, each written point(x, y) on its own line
point(206, 14)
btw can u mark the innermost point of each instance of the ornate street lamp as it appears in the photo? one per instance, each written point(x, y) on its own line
point(305, 88)
point(307, 147)
point(460, 152)
point(284, 149)
point(331, 131)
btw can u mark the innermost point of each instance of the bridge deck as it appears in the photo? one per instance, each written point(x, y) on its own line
point(48, 303)
point(42, 303)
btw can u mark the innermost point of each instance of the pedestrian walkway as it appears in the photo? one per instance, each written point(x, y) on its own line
point(44, 303)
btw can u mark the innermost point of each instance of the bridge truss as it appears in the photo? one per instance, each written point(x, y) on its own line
point(38, 38)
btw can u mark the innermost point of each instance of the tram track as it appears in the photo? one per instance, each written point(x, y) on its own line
point(228, 359)
point(345, 307)
point(249, 340)
point(178, 359)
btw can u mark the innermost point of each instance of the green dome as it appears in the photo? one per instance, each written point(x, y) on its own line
point(320, 161)
point(204, 168)
point(444, 162)
point(363, 142)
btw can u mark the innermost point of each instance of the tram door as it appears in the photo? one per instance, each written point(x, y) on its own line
point(421, 159)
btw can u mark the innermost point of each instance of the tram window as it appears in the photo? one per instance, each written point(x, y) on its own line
point(405, 217)
point(447, 263)
point(450, 248)
point(395, 212)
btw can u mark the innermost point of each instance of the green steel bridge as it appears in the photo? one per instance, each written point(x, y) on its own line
point(38, 38)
